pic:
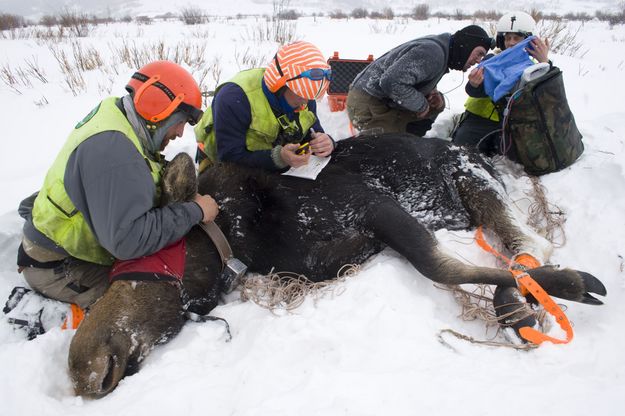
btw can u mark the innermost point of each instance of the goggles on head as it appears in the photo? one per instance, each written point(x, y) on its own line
point(194, 115)
point(315, 74)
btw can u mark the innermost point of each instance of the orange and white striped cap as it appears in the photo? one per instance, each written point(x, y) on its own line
point(289, 62)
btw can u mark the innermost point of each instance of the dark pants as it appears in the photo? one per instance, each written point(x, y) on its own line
point(368, 113)
point(75, 281)
point(479, 132)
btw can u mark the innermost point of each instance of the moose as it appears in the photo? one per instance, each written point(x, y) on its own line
point(377, 191)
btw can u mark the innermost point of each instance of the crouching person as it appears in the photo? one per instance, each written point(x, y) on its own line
point(100, 200)
point(266, 117)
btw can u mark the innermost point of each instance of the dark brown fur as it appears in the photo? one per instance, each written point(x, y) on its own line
point(376, 192)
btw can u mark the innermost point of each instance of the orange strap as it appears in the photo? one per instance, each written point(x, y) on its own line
point(532, 335)
point(74, 317)
point(526, 284)
point(481, 241)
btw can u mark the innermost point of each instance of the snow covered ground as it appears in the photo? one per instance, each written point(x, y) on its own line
point(374, 347)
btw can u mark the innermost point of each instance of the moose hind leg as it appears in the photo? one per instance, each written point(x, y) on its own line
point(489, 205)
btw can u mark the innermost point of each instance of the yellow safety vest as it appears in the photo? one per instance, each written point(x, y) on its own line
point(265, 126)
point(483, 107)
point(54, 214)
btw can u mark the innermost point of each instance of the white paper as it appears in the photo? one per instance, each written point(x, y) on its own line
point(311, 170)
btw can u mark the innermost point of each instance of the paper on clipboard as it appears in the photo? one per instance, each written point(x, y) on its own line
point(311, 170)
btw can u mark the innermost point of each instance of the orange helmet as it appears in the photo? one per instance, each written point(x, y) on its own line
point(301, 67)
point(162, 87)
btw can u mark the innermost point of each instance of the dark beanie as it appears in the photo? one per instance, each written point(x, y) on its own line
point(463, 42)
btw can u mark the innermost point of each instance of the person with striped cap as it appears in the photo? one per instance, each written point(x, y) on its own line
point(397, 92)
point(262, 116)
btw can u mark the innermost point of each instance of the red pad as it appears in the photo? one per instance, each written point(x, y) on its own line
point(164, 265)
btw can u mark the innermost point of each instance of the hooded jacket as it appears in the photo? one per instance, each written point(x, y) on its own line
point(407, 73)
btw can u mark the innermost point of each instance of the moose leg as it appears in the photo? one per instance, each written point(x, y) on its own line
point(489, 205)
point(396, 228)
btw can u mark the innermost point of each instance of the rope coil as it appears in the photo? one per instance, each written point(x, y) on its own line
point(287, 290)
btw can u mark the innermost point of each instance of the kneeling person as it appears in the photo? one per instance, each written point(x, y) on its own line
point(100, 199)
point(261, 116)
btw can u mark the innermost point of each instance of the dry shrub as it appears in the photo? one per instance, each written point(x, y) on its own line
point(561, 38)
point(143, 20)
point(359, 13)
point(11, 21)
point(337, 14)
point(421, 11)
point(48, 20)
point(289, 14)
point(536, 14)
point(72, 75)
point(386, 13)
point(487, 15)
point(76, 23)
point(281, 30)
point(192, 15)
point(86, 58)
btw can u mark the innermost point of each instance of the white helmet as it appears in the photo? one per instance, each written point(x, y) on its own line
point(514, 22)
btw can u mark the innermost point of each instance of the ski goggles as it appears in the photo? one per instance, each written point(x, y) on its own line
point(194, 115)
point(314, 74)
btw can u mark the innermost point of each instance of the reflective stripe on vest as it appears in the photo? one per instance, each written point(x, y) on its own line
point(264, 128)
point(54, 214)
point(483, 107)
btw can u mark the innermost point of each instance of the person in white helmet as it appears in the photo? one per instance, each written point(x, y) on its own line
point(480, 125)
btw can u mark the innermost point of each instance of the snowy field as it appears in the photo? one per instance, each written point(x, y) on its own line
point(374, 347)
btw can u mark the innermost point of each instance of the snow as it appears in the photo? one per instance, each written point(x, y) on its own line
point(373, 346)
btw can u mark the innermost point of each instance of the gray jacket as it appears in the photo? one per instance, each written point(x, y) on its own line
point(109, 182)
point(406, 74)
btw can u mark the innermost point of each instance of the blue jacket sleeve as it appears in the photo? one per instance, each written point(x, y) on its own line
point(109, 182)
point(232, 117)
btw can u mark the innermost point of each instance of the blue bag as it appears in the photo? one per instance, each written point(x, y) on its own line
point(503, 71)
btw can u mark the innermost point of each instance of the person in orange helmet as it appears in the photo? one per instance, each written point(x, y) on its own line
point(262, 116)
point(100, 199)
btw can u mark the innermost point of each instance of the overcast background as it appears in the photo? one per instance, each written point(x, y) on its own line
point(117, 8)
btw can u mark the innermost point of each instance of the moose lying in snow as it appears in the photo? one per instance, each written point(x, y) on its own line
point(376, 192)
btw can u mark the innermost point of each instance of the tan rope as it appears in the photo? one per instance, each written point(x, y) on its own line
point(478, 304)
point(548, 219)
point(523, 347)
point(287, 290)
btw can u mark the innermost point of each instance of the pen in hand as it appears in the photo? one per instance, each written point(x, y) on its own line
point(304, 147)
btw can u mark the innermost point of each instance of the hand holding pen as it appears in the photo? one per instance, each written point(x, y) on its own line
point(321, 144)
point(290, 155)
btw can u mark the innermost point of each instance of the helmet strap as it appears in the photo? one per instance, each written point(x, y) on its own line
point(154, 80)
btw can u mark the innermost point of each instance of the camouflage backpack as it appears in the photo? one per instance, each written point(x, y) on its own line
point(541, 127)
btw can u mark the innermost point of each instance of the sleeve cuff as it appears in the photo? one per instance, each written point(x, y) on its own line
point(277, 159)
point(196, 212)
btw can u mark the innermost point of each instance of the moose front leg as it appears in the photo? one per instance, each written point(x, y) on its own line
point(487, 203)
point(393, 226)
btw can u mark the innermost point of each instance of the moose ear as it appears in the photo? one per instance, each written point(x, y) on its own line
point(180, 182)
